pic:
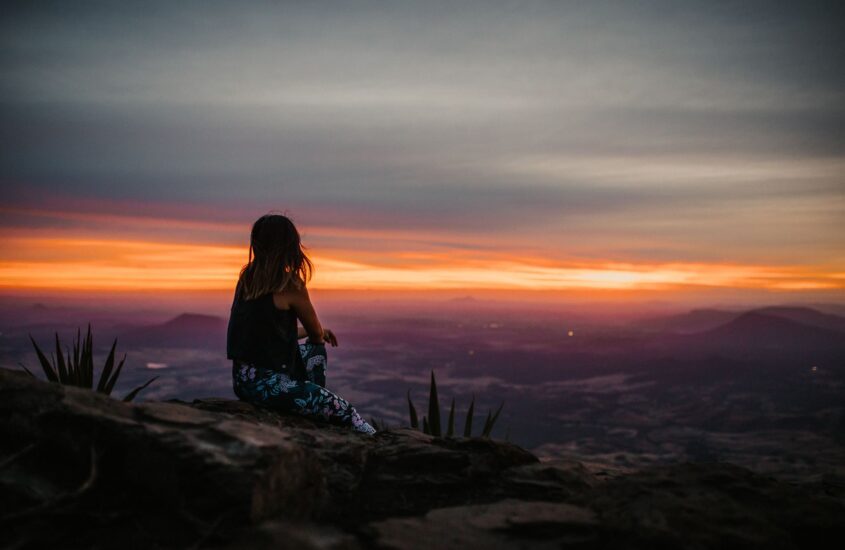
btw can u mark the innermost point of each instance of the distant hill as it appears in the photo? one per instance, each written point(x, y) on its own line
point(702, 320)
point(756, 336)
point(696, 320)
point(755, 330)
point(188, 330)
point(806, 315)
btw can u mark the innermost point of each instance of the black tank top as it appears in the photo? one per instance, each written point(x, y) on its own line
point(263, 335)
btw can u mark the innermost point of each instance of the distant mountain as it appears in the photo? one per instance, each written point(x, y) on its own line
point(806, 315)
point(696, 320)
point(194, 321)
point(826, 307)
point(702, 320)
point(188, 330)
point(754, 331)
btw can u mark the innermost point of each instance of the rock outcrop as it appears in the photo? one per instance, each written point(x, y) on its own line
point(82, 470)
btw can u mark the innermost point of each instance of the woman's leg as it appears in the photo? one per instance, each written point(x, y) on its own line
point(278, 391)
point(309, 399)
point(316, 360)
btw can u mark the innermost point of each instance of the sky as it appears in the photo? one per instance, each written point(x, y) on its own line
point(630, 148)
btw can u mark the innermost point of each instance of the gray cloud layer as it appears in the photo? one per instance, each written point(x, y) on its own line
point(416, 114)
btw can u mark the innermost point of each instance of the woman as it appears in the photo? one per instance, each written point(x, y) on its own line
point(269, 367)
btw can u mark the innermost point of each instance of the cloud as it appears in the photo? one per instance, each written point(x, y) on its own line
point(641, 131)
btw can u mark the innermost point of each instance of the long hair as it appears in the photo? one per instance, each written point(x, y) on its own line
point(276, 258)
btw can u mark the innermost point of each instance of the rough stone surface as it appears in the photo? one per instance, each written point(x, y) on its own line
point(508, 523)
point(82, 470)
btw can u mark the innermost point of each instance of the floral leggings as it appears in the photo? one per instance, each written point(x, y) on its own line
point(277, 390)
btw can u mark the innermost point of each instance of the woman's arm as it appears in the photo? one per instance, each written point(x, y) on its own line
point(300, 303)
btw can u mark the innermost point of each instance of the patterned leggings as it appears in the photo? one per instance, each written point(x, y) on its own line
point(277, 390)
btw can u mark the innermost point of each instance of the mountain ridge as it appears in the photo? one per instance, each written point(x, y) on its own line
point(185, 330)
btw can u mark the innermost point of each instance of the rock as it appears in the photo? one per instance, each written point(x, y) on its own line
point(286, 535)
point(509, 523)
point(223, 464)
point(79, 469)
point(163, 458)
point(401, 471)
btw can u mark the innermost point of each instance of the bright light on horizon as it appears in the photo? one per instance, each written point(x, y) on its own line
point(125, 264)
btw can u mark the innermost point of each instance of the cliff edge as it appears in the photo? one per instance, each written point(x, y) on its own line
point(82, 470)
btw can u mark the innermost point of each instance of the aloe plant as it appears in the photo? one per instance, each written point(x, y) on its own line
point(431, 423)
point(488, 423)
point(78, 369)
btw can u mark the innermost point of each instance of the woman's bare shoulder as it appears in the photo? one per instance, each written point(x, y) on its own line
point(290, 296)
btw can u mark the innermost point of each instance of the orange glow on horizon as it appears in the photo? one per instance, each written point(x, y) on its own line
point(73, 263)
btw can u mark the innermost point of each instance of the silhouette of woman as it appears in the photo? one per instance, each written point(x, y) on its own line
point(269, 367)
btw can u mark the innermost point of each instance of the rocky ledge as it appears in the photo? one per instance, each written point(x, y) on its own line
point(82, 470)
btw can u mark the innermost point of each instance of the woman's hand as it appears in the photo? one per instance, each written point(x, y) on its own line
point(329, 337)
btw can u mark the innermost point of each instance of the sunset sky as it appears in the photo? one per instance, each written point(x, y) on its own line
point(503, 146)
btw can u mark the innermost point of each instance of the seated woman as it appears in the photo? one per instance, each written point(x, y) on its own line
point(269, 367)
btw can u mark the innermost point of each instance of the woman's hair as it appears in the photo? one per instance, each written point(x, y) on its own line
point(276, 258)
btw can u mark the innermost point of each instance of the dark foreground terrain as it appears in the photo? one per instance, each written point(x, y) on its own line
point(83, 470)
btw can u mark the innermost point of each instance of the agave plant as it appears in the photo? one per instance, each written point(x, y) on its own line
point(488, 423)
point(431, 423)
point(78, 369)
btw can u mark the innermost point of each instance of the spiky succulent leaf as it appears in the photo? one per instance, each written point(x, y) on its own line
point(73, 364)
point(486, 424)
point(87, 379)
point(433, 408)
point(412, 412)
point(468, 423)
point(491, 420)
point(107, 369)
point(496, 414)
point(450, 424)
point(60, 362)
point(26, 369)
point(110, 383)
point(131, 395)
point(76, 348)
point(79, 371)
point(425, 425)
point(68, 363)
point(45, 363)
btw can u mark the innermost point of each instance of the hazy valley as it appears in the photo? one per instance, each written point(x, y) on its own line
point(762, 388)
